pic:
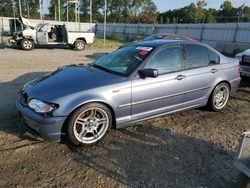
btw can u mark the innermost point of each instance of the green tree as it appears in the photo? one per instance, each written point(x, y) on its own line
point(167, 20)
point(6, 8)
point(210, 16)
point(161, 20)
point(53, 10)
point(200, 10)
point(174, 20)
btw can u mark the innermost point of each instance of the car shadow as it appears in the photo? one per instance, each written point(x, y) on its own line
point(8, 93)
point(243, 91)
point(49, 47)
point(149, 156)
point(245, 82)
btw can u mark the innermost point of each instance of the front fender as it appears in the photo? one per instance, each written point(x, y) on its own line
point(69, 105)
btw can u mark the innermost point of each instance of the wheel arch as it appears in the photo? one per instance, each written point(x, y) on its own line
point(89, 102)
point(81, 38)
point(222, 81)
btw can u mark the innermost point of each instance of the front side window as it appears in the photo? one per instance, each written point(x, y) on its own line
point(196, 56)
point(44, 28)
point(167, 60)
point(124, 60)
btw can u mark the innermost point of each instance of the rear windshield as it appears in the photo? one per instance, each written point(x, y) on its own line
point(124, 60)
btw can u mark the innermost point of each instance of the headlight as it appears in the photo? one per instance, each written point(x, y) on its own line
point(40, 106)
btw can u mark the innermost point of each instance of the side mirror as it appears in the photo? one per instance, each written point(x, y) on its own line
point(151, 73)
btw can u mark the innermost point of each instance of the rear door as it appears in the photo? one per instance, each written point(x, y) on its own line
point(202, 66)
point(152, 96)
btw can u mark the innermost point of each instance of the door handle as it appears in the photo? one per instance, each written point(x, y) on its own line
point(180, 77)
point(213, 70)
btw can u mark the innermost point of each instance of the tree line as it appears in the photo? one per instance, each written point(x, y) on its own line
point(129, 11)
point(197, 13)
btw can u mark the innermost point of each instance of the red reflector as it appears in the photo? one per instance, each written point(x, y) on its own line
point(143, 52)
point(238, 70)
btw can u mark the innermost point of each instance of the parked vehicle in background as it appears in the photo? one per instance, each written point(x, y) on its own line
point(242, 161)
point(50, 34)
point(244, 58)
point(137, 82)
point(169, 36)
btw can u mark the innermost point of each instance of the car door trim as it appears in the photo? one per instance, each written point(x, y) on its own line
point(160, 98)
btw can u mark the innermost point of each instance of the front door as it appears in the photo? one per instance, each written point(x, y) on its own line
point(42, 35)
point(152, 96)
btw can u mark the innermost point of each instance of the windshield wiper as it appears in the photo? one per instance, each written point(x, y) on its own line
point(108, 70)
point(102, 68)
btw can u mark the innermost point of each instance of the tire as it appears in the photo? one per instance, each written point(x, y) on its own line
point(89, 124)
point(243, 181)
point(79, 45)
point(217, 100)
point(27, 44)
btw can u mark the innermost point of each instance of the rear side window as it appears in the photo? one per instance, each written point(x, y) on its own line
point(214, 57)
point(196, 56)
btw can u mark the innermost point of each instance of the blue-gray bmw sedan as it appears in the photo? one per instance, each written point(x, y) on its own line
point(136, 82)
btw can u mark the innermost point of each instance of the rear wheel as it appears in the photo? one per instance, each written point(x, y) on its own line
point(79, 45)
point(219, 97)
point(89, 124)
point(27, 44)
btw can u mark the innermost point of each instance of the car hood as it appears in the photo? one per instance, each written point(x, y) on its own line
point(26, 22)
point(69, 80)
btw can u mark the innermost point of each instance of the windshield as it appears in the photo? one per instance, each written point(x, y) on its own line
point(124, 60)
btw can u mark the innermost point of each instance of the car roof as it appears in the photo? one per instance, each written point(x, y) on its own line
point(157, 43)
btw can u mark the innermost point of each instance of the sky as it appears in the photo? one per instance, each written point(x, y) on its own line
point(164, 5)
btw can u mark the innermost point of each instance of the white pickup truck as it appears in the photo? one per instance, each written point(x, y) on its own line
point(49, 34)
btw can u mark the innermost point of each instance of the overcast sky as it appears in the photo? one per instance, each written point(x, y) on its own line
point(164, 5)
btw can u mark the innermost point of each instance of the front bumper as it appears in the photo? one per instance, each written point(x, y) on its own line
point(49, 128)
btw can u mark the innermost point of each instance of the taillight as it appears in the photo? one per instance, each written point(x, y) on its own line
point(238, 69)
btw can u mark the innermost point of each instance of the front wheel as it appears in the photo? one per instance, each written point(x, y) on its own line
point(219, 97)
point(27, 44)
point(79, 45)
point(89, 124)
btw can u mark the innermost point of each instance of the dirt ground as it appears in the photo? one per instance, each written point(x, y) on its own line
point(188, 149)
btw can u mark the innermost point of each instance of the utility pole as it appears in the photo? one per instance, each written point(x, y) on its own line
point(105, 22)
point(78, 9)
point(59, 11)
point(75, 15)
point(28, 9)
point(20, 8)
point(90, 14)
point(55, 13)
point(14, 14)
point(67, 11)
point(40, 7)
